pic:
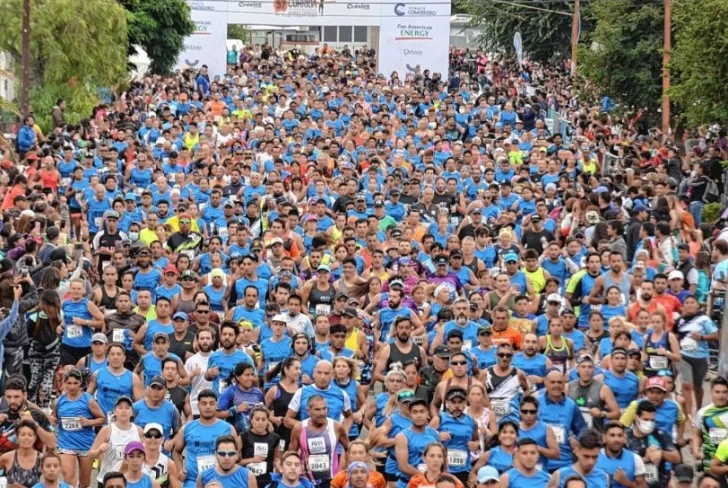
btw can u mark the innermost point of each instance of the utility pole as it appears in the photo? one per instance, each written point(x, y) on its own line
point(666, 68)
point(575, 37)
point(25, 41)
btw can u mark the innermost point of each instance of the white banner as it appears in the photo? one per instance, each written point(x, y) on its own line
point(207, 44)
point(417, 35)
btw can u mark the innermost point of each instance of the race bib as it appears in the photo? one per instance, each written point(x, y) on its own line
point(282, 445)
point(74, 331)
point(222, 386)
point(587, 417)
point(467, 345)
point(119, 453)
point(456, 458)
point(323, 309)
point(717, 435)
point(205, 462)
point(138, 191)
point(71, 423)
point(651, 473)
point(422, 468)
point(419, 340)
point(688, 344)
point(117, 335)
point(317, 445)
point(3, 482)
point(260, 449)
point(658, 362)
point(65, 182)
point(98, 221)
point(189, 253)
point(258, 469)
point(500, 408)
point(319, 463)
point(559, 433)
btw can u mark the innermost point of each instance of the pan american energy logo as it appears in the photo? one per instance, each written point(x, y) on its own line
point(300, 8)
point(413, 32)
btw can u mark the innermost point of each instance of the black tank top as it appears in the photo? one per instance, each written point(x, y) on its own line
point(472, 265)
point(254, 445)
point(398, 358)
point(323, 298)
point(109, 303)
point(280, 408)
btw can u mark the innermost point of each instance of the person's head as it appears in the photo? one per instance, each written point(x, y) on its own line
point(456, 401)
point(291, 467)
point(613, 436)
point(488, 477)
point(50, 466)
point(26, 433)
point(655, 390)
point(505, 354)
point(72, 381)
point(419, 412)
point(529, 409)
point(207, 404)
point(707, 480)
point(358, 472)
point(528, 454)
point(226, 453)
point(587, 450)
point(317, 409)
point(645, 417)
point(134, 454)
point(719, 391)
point(554, 382)
point(358, 451)
point(16, 392)
point(114, 479)
point(508, 433)
point(228, 335)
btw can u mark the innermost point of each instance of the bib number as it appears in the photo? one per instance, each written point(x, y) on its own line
point(559, 433)
point(658, 362)
point(282, 445)
point(717, 435)
point(688, 344)
point(323, 309)
point(456, 458)
point(3, 482)
point(260, 449)
point(98, 221)
point(71, 423)
point(119, 453)
point(205, 462)
point(74, 331)
point(500, 408)
point(319, 463)
point(317, 445)
point(419, 340)
point(467, 345)
point(222, 386)
point(587, 417)
point(258, 469)
point(651, 474)
point(117, 335)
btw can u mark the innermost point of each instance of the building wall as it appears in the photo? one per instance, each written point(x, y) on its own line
point(8, 83)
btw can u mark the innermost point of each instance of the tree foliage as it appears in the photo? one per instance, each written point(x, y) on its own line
point(699, 63)
point(76, 47)
point(623, 53)
point(546, 35)
point(236, 31)
point(160, 27)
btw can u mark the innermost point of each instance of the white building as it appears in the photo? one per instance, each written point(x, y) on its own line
point(8, 82)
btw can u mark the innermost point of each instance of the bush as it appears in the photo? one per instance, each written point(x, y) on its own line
point(711, 212)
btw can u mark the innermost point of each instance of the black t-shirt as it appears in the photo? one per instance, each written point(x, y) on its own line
point(264, 446)
point(7, 428)
point(341, 203)
point(181, 347)
point(177, 396)
point(537, 240)
point(639, 445)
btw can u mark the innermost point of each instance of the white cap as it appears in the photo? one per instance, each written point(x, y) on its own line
point(153, 426)
point(554, 297)
point(161, 141)
point(675, 275)
point(275, 240)
point(279, 318)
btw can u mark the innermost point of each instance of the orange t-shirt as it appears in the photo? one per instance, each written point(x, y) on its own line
point(376, 480)
point(509, 335)
point(420, 481)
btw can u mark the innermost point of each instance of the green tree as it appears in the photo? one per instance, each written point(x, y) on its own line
point(160, 28)
point(236, 31)
point(699, 64)
point(77, 46)
point(622, 56)
point(545, 28)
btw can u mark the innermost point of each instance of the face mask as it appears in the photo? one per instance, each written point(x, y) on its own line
point(646, 426)
point(133, 236)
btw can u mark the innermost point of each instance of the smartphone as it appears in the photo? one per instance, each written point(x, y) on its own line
point(24, 272)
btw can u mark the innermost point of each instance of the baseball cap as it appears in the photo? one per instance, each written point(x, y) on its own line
point(535, 218)
point(568, 311)
point(638, 207)
point(456, 392)
point(441, 260)
point(511, 257)
point(654, 382)
point(341, 294)
point(442, 351)
point(405, 396)
point(160, 334)
point(323, 267)
point(485, 330)
point(112, 214)
point(350, 311)
point(279, 318)
point(134, 446)
point(130, 197)
point(153, 426)
point(586, 358)
point(171, 268)
point(675, 275)
point(52, 232)
point(59, 254)
point(230, 204)
point(274, 241)
point(619, 350)
point(158, 380)
point(684, 473)
point(180, 315)
point(99, 337)
point(123, 398)
point(188, 273)
point(553, 298)
point(487, 473)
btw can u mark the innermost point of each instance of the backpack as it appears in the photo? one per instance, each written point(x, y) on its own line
point(712, 193)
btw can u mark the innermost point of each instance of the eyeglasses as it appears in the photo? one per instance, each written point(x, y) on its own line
point(505, 355)
point(458, 363)
point(529, 411)
point(149, 435)
point(202, 311)
point(227, 453)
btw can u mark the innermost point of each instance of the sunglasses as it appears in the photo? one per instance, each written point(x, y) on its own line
point(202, 311)
point(227, 453)
point(188, 278)
point(184, 221)
point(505, 355)
point(149, 435)
point(529, 411)
point(458, 363)
point(156, 387)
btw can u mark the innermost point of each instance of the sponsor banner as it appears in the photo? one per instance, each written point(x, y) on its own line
point(303, 12)
point(207, 44)
point(416, 35)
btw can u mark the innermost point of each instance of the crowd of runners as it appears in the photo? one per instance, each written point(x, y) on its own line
point(308, 274)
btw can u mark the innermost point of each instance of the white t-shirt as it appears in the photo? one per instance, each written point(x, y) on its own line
point(199, 383)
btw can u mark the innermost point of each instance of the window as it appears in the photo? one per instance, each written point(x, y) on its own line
point(330, 33)
point(345, 33)
point(300, 38)
point(360, 33)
